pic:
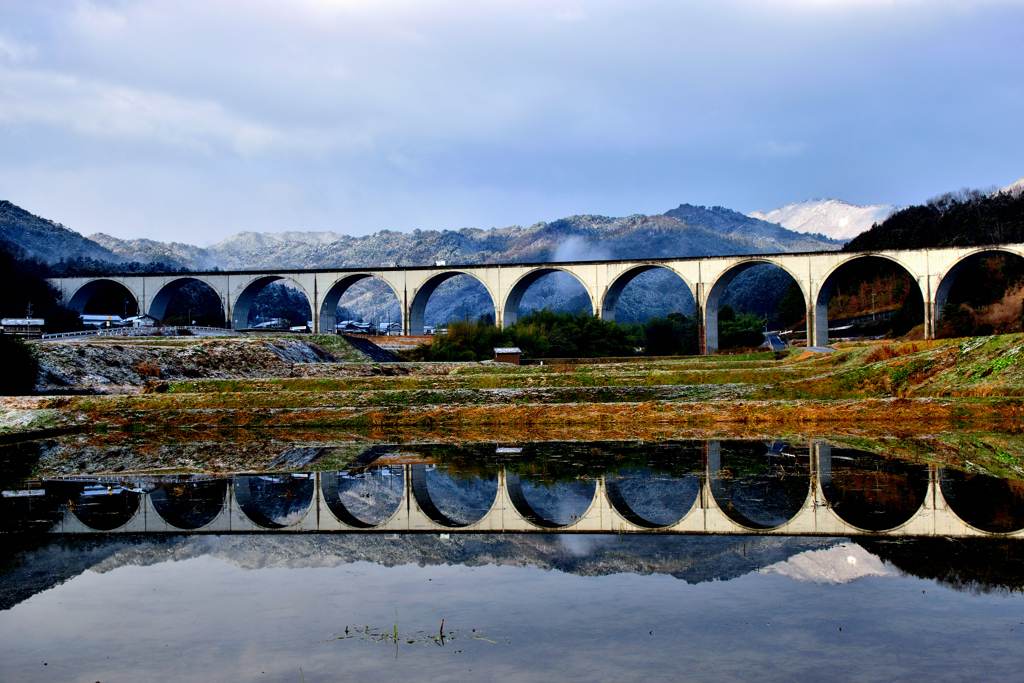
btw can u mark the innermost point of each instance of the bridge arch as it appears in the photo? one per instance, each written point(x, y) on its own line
point(80, 298)
point(158, 304)
point(831, 279)
point(611, 295)
point(364, 497)
point(244, 299)
point(569, 512)
point(758, 487)
point(510, 308)
point(453, 513)
point(948, 278)
point(870, 492)
point(721, 283)
point(418, 307)
point(336, 290)
point(652, 500)
point(190, 505)
point(105, 508)
point(275, 501)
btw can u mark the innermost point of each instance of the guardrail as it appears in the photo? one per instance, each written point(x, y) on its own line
point(132, 332)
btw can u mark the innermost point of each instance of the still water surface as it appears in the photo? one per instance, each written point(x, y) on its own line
point(273, 602)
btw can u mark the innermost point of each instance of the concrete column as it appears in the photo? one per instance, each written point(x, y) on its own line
point(707, 345)
point(817, 322)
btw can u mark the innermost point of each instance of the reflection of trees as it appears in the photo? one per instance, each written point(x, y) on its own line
point(974, 565)
point(568, 461)
point(985, 502)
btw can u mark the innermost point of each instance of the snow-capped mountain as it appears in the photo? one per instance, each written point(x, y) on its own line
point(830, 217)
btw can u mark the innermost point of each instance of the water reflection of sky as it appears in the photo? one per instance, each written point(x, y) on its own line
point(208, 618)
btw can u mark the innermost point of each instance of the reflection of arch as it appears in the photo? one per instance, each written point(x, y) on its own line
point(80, 298)
point(293, 493)
point(104, 508)
point(336, 485)
point(683, 491)
point(870, 492)
point(510, 311)
point(611, 297)
point(984, 502)
point(329, 307)
point(419, 300)
point(421, 491)
point(948, 278)
point(514, 486)
point(829, 285)
point(240, 311)
point(158, 305)
point(190, 504)
point(718, 288)
point(742, 496)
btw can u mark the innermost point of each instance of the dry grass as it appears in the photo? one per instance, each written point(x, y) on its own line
point(890, 351)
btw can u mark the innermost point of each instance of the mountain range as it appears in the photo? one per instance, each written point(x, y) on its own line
point(685, 231)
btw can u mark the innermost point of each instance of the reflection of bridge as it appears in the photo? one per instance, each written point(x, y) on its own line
point(706, 278)
point(315, 503)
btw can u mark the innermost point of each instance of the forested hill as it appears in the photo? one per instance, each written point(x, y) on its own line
point(965, 218)
point(46, 240)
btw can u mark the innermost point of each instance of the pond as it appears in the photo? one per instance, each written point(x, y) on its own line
point(591, 561)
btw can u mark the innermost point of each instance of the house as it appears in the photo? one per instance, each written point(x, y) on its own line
point(95, 320)
point(29, 328)
point(507, 354)
point(141, 321)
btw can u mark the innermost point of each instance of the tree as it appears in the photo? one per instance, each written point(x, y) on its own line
point(21, 369)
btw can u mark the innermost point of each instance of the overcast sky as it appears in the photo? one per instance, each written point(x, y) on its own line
point(190, 120)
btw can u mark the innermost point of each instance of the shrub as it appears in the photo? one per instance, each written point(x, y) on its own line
point(21, 369)
point(148, 369)
point(540, 334)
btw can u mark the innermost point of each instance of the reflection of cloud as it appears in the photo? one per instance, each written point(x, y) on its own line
point(843, 563)
point(579, 545)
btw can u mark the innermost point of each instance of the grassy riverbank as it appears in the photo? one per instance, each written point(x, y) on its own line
point(902, 386)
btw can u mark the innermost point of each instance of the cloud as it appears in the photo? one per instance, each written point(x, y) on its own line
point(399, 114)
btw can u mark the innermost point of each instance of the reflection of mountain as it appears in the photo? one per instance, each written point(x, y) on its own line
point(693, 559)
point(841, 563)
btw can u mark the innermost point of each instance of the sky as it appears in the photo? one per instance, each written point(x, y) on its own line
point(191, 120)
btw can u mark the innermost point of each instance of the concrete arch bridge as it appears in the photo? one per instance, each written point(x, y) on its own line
point(816, 273)
point(827, 501)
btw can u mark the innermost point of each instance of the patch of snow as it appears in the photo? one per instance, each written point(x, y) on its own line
point(1016, 189)
point(830, 217)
